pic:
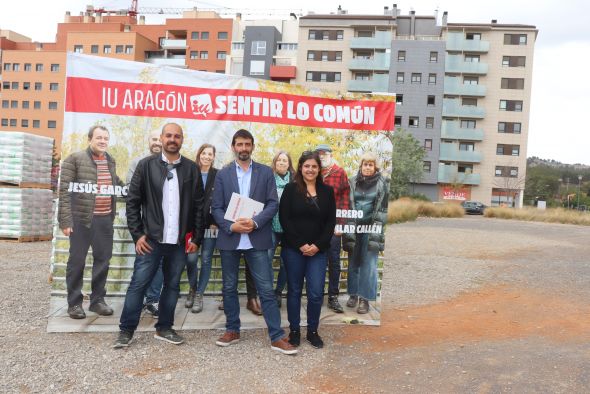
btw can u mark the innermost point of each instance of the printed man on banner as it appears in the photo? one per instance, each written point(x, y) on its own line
point(85, 215)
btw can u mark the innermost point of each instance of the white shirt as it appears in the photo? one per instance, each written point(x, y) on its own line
point(171, 206)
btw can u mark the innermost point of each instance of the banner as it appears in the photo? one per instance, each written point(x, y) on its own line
point(134, 100)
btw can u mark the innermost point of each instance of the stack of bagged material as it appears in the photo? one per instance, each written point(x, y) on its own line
point(25, 212)
point(25, 158)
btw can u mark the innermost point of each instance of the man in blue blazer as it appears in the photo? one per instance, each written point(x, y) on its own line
point(249, 238)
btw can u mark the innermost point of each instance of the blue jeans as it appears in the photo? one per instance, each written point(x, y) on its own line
point(173, 260)
point(152, 294)
point(196, 282)
point(334, 265)
point(261, 270)
point(282, 277)
point(313, 270)
point(362, 269)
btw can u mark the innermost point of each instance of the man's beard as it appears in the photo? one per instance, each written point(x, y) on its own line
point(326, 162)
point(243, 156)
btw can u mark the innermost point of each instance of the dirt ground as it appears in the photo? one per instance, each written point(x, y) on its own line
point(471, 305)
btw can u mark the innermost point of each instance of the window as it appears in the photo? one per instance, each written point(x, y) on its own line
point(426, 166)
point(365, 33)
point(508, 150)
point(36, 104)
point(194, 35)
point(13, 104)
point(6, 66)
point(465, 168)
point(321, 76)
point(24, 123)
point(428, 144)
point(36, 124)
point(12, 122)
point(397, 121)
point(204, 55)
point(513, 61)
point(430, 100)
point(473, 36)
point(467, 124)
point(324, 56)
point(15, 66)
point(338, 56)
point(25, 104)
point(78, 49)
point(55, 68)
point(401, 56)
point(414, 121)
point(258, 48)
point(504, 171)
point(39, 67)
point(287, 46)
point(238, 46)
point(38, 85)
point(4, 122)
point(221, 55)
point(429, 122)
point(511, 105)
point(399, 99)
point(5, 104)
point(128, 49)
point(106, 49)
point(400, 77)
point(26, 85)
point(52, 105)
point(467, 146)
point(6, 85)
point(94, 49)
point(515, 39)
point(54, 86)
point(472, 58)
point(433, 57)
point(51, 124)
point(220, 71)
point(416, 78)
point(469, 102)
point(471, 80)
point(512, 83)
point(118, 48)
point(204, 35)
point(509, 127)
point(310, 55)
point(28, 67)
point(332, 35)
point(432, 79)
point(222, 35)
point(14, 86)
point(194, 55)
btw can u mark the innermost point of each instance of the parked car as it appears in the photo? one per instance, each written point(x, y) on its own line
point(473, 207)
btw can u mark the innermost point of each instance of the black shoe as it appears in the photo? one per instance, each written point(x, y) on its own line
point(152, 309)
point(123, 340)
point(76, 312)
point(314, 339)
point(352, 301)
point(279, 299)
point(101, 308)
point(334, 304)
point(170, 336)
point(363, 306)
point(295, 338)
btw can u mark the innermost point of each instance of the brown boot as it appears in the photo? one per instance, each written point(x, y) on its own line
point(254, 306)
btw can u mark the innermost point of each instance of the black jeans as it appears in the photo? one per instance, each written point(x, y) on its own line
point(100, 237)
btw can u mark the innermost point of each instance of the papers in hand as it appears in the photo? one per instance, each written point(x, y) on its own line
point(242, 207)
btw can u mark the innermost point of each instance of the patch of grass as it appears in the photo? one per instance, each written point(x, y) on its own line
point(405, 210)
point(549, 215)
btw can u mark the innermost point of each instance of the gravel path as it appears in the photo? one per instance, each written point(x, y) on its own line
point(429, 264)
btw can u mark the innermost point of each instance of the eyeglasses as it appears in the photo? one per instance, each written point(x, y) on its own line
point(170, 174)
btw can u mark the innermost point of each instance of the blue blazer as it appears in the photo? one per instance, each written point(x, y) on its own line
point(262, 188)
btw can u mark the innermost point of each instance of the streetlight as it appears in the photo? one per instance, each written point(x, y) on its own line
point(579, 184)
point(567, 190)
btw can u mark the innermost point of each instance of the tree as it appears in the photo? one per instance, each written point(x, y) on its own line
point(406, 161)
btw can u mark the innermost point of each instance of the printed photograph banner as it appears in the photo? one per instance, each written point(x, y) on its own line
point(133, 100)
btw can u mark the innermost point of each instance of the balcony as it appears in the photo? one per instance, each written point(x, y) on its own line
point(283, 72)
point(450, 130)
point(168, 43)
point(379, 62)
point(379, 83)
point(457, 42)
point(453, 86)
point(456, 64)
point(449, 174)
point(451, 152)
point(453, 109)
point(172, 61)
point(382, 40)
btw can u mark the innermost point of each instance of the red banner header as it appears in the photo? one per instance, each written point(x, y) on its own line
point(172, 101)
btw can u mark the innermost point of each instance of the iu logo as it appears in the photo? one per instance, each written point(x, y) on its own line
point(201, 104)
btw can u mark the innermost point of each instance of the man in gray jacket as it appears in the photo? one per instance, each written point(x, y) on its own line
point(88, 187)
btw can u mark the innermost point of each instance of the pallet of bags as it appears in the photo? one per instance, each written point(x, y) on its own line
point(25, 158)
point(26, 214)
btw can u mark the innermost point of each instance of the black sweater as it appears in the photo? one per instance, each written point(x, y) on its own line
point(302, 221)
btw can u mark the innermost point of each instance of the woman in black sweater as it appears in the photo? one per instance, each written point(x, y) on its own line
point(307, 213)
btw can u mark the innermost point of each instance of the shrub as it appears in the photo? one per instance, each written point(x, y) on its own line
point(406, 209)
point(549, 215)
